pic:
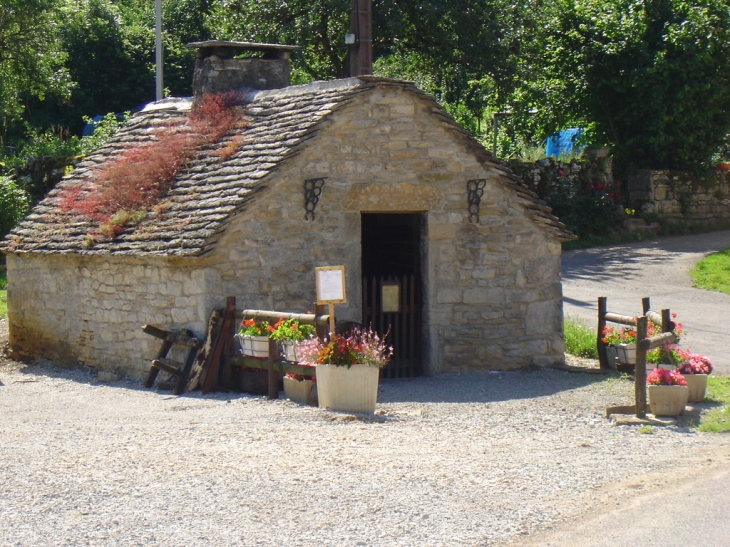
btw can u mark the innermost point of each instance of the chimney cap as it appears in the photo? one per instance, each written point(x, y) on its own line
point(228, 49)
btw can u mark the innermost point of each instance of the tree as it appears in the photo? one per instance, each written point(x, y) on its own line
point(466, 50)
point(31, 56)
point(648, 77)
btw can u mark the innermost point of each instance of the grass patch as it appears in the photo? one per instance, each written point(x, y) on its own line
point(580, 339)
point(713, 273)
point(3, 294)
point(717, 420)
point(666, 229)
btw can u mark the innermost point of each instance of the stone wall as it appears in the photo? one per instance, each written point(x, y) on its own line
point(680, 196)
point(91, 309)
point(492, 297)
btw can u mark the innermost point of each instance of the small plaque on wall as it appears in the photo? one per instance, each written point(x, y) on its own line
point(390, 297)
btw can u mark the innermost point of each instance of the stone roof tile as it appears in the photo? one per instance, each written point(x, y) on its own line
point(206, 193)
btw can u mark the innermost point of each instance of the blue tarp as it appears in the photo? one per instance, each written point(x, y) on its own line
point(563, 143)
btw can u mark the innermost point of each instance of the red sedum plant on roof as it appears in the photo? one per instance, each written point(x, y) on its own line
point(138, 177)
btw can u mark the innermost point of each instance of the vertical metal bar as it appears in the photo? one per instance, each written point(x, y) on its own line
point(405, 309)
point(640, 368)
point(159, 87)
point(412, 326)
point(602, 358)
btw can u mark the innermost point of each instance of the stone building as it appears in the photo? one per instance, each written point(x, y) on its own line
point(366, 172)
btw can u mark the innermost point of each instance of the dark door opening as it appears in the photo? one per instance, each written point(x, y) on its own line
point(391, 267)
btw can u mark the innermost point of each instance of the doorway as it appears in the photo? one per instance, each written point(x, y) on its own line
point(391, 286)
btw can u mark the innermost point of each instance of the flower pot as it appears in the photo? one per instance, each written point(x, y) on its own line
point(289, 349)
point(353, 389)
point(667, 400)
point(255, 382)
point(299, 391)
point(723, 166)
point(253, 346)
point(623, 354)
point(697, 384)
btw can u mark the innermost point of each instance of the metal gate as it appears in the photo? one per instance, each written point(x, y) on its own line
point(393, 304)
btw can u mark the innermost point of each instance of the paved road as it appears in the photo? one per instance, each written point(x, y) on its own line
point(684, 509)
point(658, 268)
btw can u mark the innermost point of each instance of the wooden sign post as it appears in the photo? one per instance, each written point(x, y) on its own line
point(331, 289)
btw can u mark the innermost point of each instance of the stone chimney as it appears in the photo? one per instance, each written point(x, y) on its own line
point(217, 69)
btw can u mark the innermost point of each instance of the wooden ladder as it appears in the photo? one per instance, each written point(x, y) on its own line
point(181, 371)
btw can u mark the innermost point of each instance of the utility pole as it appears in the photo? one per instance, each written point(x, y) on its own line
point(158, 50)
point(361, 51)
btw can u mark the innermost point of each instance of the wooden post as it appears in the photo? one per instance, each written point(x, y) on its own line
point(321, 329)
point(645, 305)
point(331, 309)
point(640, 368)
point(226, 373)
point(602, 358)
point(273, 375)
point(667, 323)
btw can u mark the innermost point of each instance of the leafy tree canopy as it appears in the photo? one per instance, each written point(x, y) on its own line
point(31, 55)
point(650, 78)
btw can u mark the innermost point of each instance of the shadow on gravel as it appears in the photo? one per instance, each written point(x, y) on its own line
point(483, 387)
point(477, 387)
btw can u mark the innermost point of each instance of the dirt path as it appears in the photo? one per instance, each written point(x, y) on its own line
point(658, 268)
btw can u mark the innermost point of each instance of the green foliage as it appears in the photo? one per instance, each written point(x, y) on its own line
point(645, 430)
point(717, 420)
point(55, 141)
point(104, 129)
point(14, 204)
point(580, 339)
point(713, 272)
point(466, 53)
point(31, 56)
point(650, 78)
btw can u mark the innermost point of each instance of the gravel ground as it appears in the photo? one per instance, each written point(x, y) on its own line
point(478, 460)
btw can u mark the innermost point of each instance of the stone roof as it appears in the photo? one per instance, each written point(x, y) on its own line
point(211, 190)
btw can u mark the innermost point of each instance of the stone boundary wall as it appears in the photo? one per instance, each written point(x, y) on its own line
point(675, 195)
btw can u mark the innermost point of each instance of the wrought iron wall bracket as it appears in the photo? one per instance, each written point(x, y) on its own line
point(312, 191)
point(475, 191)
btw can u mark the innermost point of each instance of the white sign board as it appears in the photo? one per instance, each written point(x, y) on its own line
point(331, 285)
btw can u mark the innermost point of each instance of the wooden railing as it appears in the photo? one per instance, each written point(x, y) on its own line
point(644, 344)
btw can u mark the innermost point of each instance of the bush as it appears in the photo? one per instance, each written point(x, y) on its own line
point(14, 204)
point(577, 192)
point(580, 339)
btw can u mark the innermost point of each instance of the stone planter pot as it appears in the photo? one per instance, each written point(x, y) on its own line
point(255, 382)
point(299, 391)
point(667, 400)
point(353, 389)
point(697, 384)
point(253, 346)
point(623, 354)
